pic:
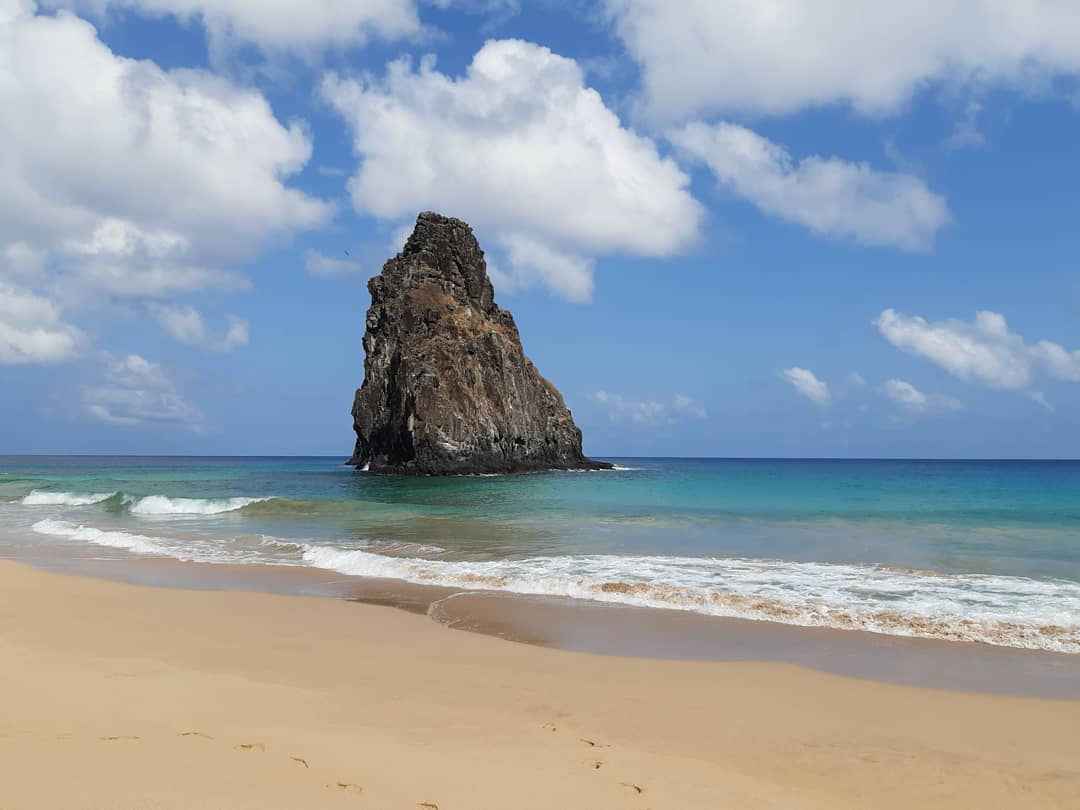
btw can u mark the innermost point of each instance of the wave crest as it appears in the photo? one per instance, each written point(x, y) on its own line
point(162, 505)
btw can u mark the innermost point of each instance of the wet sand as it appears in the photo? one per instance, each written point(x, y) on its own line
point(130, 696)
point(621, 630)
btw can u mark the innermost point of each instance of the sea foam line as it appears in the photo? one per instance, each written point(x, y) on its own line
point(1005, 611)
point(1000, 610)
point(138, 543)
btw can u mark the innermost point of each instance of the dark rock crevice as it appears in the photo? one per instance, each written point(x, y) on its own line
point(447, 387)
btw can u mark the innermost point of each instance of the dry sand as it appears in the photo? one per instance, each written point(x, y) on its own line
point(118, 696)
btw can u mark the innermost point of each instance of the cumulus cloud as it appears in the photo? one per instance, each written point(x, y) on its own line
point(985, 351)
point(650, 412)
point(125, 180)
point(914, 402)
point(806, 383)
point(831, 197)
point(138, 392)
point(704, 56)
point(322, 266)
point(521, 148)
point(275, 25)
point(31, 330)
point(186, 325)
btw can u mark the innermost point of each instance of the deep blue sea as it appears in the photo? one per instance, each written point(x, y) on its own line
point(970, 550)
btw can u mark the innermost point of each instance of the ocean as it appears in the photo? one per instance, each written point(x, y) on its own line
point(979, 551)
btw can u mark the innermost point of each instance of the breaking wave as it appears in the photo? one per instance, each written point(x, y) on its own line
point(161, 505)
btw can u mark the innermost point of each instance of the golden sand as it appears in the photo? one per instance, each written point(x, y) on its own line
point(117, 696)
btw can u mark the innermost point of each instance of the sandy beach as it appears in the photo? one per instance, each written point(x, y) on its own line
point(122, 696)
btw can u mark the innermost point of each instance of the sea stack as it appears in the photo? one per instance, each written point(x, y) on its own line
point(447, 388)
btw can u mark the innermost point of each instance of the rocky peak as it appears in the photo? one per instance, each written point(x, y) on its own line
point(447, 387)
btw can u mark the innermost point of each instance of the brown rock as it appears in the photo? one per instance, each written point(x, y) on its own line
point(447, 387)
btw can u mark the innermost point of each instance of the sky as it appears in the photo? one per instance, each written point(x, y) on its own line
point(724, 227)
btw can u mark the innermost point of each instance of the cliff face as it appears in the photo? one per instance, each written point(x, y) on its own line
point(447, 388)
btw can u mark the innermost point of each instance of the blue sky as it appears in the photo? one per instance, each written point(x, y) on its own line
point(721, 232)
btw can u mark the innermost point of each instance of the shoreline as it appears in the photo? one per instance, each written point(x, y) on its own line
point(150, 696)
point(624, 631)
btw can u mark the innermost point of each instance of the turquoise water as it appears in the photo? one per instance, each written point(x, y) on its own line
point(983, 551)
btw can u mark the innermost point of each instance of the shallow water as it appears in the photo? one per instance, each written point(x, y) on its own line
point(974, 551)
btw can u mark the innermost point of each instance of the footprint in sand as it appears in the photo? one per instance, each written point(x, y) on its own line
point(593, 743)
point(250, 747)
point(429, 805)
point(549, 727)
point(204, 735)
point(633, 787)
point(347, 786)
point(300, 761)
point(595, 764)
point(120, 737)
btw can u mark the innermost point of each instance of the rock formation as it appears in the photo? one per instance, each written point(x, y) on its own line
point(447, 387)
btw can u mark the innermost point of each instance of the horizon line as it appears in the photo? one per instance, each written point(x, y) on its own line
point(600, 456)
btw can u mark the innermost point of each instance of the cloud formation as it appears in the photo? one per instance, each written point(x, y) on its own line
point(275, 25)
point(806, 383)
point(186, 325)
point(985, 351)
point(912, 401)
point(1040, 399)
point(31, 331)
point(525, 152)
point(831, 197)
point(137, 392)
point(123, 180)
point(322, 266)
point(708, 56)
point(650, 412)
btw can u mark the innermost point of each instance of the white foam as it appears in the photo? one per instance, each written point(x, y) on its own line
point(1008, 611)
point(43, 498)
point(161, 505)
point(138, 543)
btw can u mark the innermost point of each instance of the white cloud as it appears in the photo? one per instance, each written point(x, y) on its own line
point(649, 412)
point(913, 401)
point(531, 261)
point(322, 266)
point(138, 392)
point(186, 325)
point(807, 384)
point(276, 25)
point(31, 330)
point(127, 180)
point(1059, 361)
point(1039, 398)
point(525, 152)
point(985, 351)
point(703, 56)
point(831, 197)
